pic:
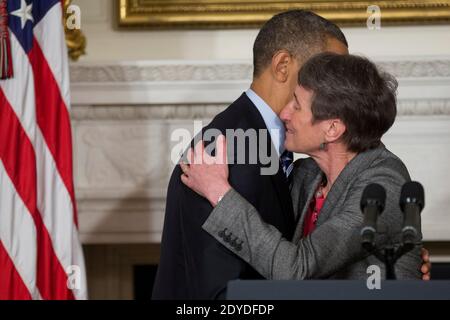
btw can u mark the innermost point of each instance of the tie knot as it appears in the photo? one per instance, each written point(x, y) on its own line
point(287, 155)
point(286, 159)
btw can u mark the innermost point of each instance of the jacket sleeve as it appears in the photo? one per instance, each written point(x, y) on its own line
point(209, 264)
point(330, 247)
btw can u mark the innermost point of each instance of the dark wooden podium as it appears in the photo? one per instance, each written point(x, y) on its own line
point(337, 290)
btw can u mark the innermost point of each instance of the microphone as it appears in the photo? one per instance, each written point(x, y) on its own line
point(372, 205)
point(412, 201)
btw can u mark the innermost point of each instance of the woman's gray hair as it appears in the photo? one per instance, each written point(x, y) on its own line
point(352, 89)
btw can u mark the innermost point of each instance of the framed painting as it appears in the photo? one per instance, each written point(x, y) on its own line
point(201, 14)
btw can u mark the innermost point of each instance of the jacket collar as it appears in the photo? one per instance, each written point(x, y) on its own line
point(358, 164)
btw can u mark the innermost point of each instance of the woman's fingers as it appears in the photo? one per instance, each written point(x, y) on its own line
point(198, 152)
point(425, 255)
point(185, 176)
point(204, 174)
point(185, 180)
point(185, 168)
point(426, 265)
point(198, 155)
point(221, 150)
point(190, 156)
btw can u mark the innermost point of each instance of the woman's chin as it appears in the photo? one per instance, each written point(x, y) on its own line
point(289, 146)
point(286, 144)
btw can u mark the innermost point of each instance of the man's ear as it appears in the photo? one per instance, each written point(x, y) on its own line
point(281, 61)
point(334, 130)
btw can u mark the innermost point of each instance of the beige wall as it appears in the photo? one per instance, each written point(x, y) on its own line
point(105, 42)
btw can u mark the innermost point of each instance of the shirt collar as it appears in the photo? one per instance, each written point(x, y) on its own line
point(271, 119)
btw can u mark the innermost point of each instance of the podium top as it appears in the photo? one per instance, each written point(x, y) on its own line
point(337, 290)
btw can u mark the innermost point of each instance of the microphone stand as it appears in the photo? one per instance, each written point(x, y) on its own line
point(389, 254)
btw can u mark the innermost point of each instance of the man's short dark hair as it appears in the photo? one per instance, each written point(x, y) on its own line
point(352, 89)
point(302, 33)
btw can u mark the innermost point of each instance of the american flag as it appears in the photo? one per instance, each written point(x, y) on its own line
point(40, 253)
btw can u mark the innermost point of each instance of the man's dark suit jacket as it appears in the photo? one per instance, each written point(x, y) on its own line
point(193, 265)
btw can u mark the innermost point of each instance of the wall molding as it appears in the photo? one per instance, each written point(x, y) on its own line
point(406, 107)
point(159, 71)
point(156, 83)
point(147, 112)
point(162, 71)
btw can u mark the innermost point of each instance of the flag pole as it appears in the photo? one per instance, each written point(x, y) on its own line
point(6, 68)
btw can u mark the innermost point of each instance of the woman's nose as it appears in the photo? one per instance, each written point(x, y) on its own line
point(285, 114)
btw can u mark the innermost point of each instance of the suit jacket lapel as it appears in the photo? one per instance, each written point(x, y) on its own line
point(279, 179)
point(308, 179)
point(281, 184)
point(359, 163)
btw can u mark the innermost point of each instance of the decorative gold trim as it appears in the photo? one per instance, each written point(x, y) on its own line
point(252, 13)
point(75, 39)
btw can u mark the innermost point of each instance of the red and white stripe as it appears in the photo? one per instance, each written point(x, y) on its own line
point(38, 230)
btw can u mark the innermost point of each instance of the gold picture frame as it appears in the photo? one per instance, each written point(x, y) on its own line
point(201, 14)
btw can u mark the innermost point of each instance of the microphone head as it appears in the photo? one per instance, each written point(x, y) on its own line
point(412, 192)
point(373, 194)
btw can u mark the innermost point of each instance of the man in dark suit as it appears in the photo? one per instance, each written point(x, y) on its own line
point(192, 264)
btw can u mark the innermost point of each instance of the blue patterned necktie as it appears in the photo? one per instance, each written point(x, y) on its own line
point(287, 162)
